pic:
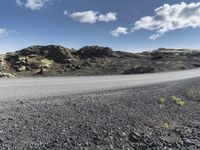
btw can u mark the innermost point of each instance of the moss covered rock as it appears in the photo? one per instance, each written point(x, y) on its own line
point(6, 75)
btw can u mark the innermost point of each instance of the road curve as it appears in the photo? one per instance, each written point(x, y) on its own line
point(27, 88)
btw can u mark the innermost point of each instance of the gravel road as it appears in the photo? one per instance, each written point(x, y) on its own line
point(27, 88)
point(123, 117)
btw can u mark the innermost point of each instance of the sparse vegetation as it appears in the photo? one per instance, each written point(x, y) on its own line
point(2, 57)
point(166, 125)
point(46, 63)
point(178, 101)
point(162, 100)
point(60, 104)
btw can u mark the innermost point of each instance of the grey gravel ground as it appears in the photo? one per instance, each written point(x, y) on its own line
point(126, 119)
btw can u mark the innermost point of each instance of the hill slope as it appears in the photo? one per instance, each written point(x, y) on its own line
point(53, 60)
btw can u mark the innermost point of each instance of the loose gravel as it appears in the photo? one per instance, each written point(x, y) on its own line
point(128, 119)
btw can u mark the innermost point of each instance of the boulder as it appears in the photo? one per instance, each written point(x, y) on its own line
point(57, 53)
point(2, 62)
point(95, 51)
point(42, 71)
point(22, 68)
point(33, 50)
point(6, 75)
point(23, 59)
point(156, 56)
point(34, 64)
point(12, 57)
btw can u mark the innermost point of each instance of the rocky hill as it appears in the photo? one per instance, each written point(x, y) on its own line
point(53, 60)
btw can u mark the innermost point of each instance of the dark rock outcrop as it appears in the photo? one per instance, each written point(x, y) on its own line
point(95, 60)
point(56, 53)
point(139, 69)
point(95, 51)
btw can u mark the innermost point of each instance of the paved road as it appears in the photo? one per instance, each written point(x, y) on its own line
point(26, 88)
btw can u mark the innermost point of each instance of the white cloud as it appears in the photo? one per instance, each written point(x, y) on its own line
point(155, 36)
point(85, 17)
point(111, 16)
point(3, 31)
point(66, 12)
point(118, 31)
point(34, 4)
point(19, 2)
point(170, 17)
point(93, 16)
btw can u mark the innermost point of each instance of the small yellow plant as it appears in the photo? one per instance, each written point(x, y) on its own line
point(46, 63)
point(60, 104)
point(166, 125)
point(178, 101)
point(181, 103)
point(162, 100)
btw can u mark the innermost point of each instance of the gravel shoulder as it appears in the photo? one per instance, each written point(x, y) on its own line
point(119, 119)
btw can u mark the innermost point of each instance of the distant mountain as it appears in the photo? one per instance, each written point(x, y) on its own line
point(54, 60)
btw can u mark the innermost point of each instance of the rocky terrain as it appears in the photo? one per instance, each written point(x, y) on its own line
point(55, 60)
point(156, 117)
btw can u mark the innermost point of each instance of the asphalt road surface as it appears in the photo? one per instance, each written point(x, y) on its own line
point(27, 88)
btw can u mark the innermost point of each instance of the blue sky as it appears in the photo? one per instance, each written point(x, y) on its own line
point(121, 24)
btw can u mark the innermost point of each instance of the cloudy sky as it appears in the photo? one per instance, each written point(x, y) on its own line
point(131, 25)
